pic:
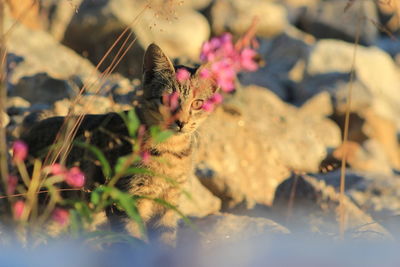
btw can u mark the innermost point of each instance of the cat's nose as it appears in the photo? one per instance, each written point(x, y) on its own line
point(180, 124)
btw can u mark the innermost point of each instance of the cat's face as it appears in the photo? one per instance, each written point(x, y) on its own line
point(168, 102)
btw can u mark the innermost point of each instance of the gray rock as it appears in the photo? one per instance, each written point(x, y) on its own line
point(374, 69)
point(375, 193)
point(41, 88)
point(40, 53)
point(329, 19)
point(249, 145)
point(236, 16)
point(215, 230)
point(311, 206)
point(59, 15)
point(157, 24)
point(4, 119)
point(95, 28)
point(281, 55)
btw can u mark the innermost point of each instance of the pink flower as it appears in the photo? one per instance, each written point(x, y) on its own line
point(225, 75)
point(205, 74)
point(174, 101)
point(75, 178)
point(247, 59)
point(182, 75)
point(19, 207)
point(226, 61)
point(208, 106)
point(11, 184)
point(57, 169)
point(216, 98)
point(145, 155)
point(61, 216)
point(20, 150)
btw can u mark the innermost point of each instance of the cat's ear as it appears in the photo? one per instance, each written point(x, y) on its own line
point(155, 63)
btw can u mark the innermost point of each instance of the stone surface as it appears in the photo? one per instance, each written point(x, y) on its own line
point(237, 15)
point(310, 205)
point(156, 25)
point(59, 15)
point(373, 68)
point(40, 53)
point(248, 146)
point(197, 201)
point(4, 119)
point(332, 19)
point(226, 228)
point(375, 193)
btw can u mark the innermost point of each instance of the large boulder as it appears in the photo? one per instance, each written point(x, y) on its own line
point(312, 206)
point(216, 230)
point(342, 20)
point(236, 16)
point(97, 25)
point(249, 145)
point(375, 193)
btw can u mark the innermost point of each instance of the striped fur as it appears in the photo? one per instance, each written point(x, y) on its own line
point(171, 159)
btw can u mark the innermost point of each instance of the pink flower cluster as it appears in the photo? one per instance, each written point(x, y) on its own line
point(182, 75)
point(74, 177)
point(211, 102)
point(224, 61)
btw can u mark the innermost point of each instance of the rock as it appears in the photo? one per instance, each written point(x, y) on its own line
point(41, 88)
point(369, 156)
point(4, 119)
point(282, 55)
point(182, 21)
point(309, 204)
point(87, 104)
point(236, 16)
point(40, 53)
point(226, 228)
point(373, 68)
point(99, 24)
point(332, 19)
point(375, 193)
point(197, 201)
point(26, 12)
point(94, 30)
point(59, 16)
point(366, 124)
point(320, 103)
point(248, 146)
point(389, 14)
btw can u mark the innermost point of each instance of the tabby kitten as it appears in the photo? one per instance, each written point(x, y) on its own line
point(171, 158)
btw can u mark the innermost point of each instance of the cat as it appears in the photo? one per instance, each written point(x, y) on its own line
point(171, 158)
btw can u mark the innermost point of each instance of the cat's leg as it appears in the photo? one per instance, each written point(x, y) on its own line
point(163, 227)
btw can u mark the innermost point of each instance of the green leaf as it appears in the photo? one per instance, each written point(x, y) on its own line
point(83, 210)
point(131, 121)
point(159, 136)
point(95, 196)
point(133, 170)
point(127, 204)
point(105, 166)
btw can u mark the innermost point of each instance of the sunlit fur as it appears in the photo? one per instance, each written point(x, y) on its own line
point(159, 80)
point(170, 161)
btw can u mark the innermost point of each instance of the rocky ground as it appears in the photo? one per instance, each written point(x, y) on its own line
point(269, 158)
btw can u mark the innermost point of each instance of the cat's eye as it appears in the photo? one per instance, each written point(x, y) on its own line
point(197, 104)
